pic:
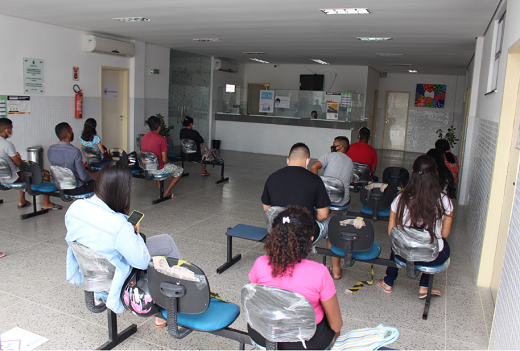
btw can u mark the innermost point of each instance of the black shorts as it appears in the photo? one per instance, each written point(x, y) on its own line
point(87, 187)
point(320, 341)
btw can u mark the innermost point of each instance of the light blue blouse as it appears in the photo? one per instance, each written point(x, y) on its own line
point(92, 223)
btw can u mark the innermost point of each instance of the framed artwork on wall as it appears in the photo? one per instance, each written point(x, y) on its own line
point(430, 95)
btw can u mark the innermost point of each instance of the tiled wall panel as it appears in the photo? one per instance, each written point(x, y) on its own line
point(505, 335)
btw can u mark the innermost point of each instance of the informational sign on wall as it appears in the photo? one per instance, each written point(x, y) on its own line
point(282, 102)
point(32, 76)
point(3, 106)
point(18, 105)
point(266, 101)
point(75, 73)
point(332, 101)
point(109, 91)
point(346, 99)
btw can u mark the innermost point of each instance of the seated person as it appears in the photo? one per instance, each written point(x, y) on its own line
point(362, 152)
point(285, 267)
point(189, 133)
point(100, 223)
point(90, 138)
point(450, 159)
point(64, 154)
point(314, 115)
point(422, 205)
point(446, 181)
point(155, 143)
point(13, 159)
point(337, 164)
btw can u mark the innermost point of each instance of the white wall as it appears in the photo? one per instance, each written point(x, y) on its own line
point(61, 48)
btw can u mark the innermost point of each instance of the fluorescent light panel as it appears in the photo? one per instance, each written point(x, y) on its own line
point(345, 11)
point(320, 62)
point(374, 38)
point(385, 54)
point(206, 39)
point(258, 60)
point(132, 19)
point(254, 52)
point(399, 64)
point(412, 71)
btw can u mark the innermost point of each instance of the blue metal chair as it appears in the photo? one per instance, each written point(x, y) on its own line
point(398, 176)
point(93, 157)
point(336, 190)
point(149, 162)
point(32, 175)
point(6, 174)
point(360, 176)
point(65, 180)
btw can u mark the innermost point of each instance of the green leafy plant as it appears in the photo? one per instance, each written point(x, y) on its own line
point(165, 131)
point(449, 136)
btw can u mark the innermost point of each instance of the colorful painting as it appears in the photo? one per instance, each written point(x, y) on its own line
point(430, 95)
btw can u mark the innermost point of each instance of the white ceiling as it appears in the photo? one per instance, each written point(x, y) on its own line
point(436, 37)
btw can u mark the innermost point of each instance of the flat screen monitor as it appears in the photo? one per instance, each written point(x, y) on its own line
point(311, 82)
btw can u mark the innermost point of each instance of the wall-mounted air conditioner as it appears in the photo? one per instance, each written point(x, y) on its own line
point(109, 46)
point(221, 65)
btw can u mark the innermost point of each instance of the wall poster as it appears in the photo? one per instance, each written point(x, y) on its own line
point(332, 101)
point(18, 105)
point(32, 76)
point(282, 102)
point(430, 95)
point(266, 101)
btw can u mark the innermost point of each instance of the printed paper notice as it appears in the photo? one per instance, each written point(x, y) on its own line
point(109, 91)
point(346, 99)
point(18, 339)
point(18, 105)
point(282, 102)
point(266, 101)
point(32, 76)
point(333, 101)
point(3, 106)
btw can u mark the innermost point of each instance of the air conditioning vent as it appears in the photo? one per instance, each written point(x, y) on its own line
point(226, 66)
point(109, 46)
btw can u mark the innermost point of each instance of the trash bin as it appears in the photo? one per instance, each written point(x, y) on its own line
point(215, 144)
point(35, 154)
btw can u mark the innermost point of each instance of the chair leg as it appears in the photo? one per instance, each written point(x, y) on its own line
point(428, 298)
point(269, 345)
point(184, 174)
point(230, 259)
point(222, 179)
point(161, 198)
point(113, 337)
point(35, 212)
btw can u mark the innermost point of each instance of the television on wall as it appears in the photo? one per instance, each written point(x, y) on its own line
point(311, 82)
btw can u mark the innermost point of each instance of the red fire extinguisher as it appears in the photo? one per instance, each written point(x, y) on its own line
point(78, 103)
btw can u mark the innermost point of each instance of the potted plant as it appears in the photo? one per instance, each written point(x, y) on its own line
point(165, 131)
point(449, 136)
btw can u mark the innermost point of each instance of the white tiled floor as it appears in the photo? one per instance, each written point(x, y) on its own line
point(36, 297)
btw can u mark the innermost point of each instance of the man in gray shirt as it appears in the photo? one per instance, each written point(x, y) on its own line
point(64, 154)
point(337, 165)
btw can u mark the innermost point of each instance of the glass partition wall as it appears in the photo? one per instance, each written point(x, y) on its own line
point(338, 106)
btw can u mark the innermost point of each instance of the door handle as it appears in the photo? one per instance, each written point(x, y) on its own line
point(121, 116)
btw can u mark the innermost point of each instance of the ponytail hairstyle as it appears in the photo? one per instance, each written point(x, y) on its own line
point(443, 146)
point(422, 197)
point(290, 240)
point(187, 121)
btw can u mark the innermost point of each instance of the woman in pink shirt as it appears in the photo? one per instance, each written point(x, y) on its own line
point(285, 266)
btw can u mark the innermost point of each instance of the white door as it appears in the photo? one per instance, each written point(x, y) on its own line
point(396, 120)
point(114, 108)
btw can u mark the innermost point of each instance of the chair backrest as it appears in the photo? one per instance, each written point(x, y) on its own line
point(396, 175)
point(138, 140)
point(188, 146)
point(148, 160)
point(118, 155)
point(369, 197)
point(63, 178)
point(191, 278)
point(270, 215)
point(335, 189)
point(278, 315)
point(31, 172)
point(5, 170)
point(169, 143)
point(360, 173)
point(362, 238)
point(91, 154)
point(97, 270)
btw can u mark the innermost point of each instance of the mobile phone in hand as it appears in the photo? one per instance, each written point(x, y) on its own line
point(135, 217)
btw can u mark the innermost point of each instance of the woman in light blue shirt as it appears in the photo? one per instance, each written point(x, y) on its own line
point(100, 223)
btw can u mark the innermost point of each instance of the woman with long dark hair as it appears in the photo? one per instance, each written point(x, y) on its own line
point(90, 138)
point(189, 133)
point(422, 205)
point(445, 177)
point(100, 223)
point(450, 160)
point(285, 266)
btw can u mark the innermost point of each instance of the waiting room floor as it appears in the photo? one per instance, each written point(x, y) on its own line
point(36, 297)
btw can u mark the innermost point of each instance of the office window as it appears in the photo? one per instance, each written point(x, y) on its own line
point(499, 38)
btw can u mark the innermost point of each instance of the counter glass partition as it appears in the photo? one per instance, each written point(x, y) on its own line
point(298, 104)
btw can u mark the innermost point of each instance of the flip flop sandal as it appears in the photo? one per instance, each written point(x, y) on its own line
point(161, 325)
point(332, 274)
point(54, 208)
point(434, 293)
point(381, 283)
point(26, 204)
point(206, 174)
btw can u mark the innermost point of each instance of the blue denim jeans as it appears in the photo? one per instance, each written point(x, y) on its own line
point(391, 272)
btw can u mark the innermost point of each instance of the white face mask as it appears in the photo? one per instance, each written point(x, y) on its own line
point(10, 134)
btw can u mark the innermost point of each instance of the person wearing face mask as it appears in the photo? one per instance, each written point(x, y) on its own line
point(295, 185)
point(65, 154)
point(13, 159)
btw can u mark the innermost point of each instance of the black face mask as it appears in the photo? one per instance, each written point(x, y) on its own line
point(72, 137)
point(333, 148)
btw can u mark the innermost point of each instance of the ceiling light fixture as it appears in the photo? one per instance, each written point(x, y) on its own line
point(400, 64)
point(320, 62)
point(345, 11)
point(385, 54)
point(374, 38)
point(206, 39)
point(132, 19)
point(412, 71)
point(254, 52)
point(258, 60)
